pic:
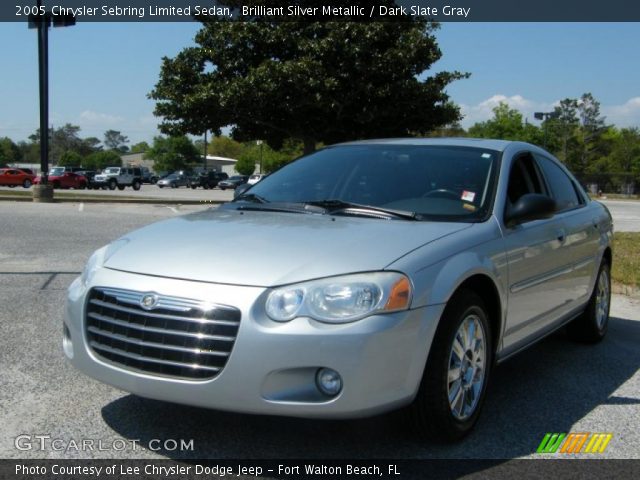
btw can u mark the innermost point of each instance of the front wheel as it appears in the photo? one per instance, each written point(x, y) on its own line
point(112, 184)
point(136, 185)
point(591, 326)
point(456, 375)
point(26, 183)
point(120, 187)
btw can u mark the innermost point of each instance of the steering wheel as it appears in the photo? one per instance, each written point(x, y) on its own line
point(442, 192)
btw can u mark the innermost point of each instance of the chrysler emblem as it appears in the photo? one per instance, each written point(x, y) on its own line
point(149, 301)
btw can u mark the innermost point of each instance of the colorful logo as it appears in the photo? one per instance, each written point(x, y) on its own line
point(585, 442)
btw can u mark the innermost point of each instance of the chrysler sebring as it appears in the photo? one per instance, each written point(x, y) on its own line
point(365, 277)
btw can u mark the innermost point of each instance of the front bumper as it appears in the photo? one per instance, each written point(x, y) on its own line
point(272, 367)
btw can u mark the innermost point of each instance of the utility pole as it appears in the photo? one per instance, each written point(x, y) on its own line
point(42, 21)
point(204, 156)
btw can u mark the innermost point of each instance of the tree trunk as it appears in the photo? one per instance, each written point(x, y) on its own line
point(309, 145)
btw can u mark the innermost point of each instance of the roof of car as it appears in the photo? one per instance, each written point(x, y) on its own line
point(499, 145)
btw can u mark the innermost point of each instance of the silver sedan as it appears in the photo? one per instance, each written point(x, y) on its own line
point(362, 278)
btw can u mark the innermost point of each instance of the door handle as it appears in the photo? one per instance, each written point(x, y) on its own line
point(560, 235)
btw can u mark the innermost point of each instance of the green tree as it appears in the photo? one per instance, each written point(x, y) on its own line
point(114, 140)
point(29, 151)
point(70, 159)
point(267, 157)
point(507, 124)
point(63, 139)
point(589, 135)
point(246, 165)
point(9, 151)
point(561, 129)
point(173, 153)
point(311, 81)
point(89, 145)
point(103, 159)
point(223, 146)
point(140, 147)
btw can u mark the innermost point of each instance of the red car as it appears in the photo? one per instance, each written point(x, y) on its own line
point(61, 179)
point(14, 176)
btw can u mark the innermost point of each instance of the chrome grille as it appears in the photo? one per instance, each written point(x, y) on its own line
point(178, 337)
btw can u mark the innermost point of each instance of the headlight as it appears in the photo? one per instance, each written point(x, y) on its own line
point(341, 299)
point(98, 258)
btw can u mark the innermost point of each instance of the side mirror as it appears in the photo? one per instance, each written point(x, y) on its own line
point(240, 189)
point(529, 207)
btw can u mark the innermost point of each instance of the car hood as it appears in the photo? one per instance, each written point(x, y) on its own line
point(270, 248)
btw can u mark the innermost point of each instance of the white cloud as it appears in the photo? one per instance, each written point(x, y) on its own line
point(625, 115)
point(91, 118)
point(484, 110)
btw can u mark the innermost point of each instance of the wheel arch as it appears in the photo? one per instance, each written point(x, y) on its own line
point(484, 286)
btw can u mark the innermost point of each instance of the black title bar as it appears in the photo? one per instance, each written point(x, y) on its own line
point(306, 10)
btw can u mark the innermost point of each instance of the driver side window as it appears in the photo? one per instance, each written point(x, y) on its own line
point(523, 178)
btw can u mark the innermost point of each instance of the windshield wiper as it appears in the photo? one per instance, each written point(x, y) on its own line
point(251, 197)
point(262, 205)
point(335, 206)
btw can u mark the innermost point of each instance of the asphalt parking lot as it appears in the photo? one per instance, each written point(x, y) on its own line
point(555, 386)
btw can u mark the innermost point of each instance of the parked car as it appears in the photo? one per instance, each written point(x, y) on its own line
point(58, 178)
point(174, 180)
point(208, 180)
point(12, 177)
point(146, 175)
point(233, 182)
point(88, 175)
point(120, 177)
point(255, 178)
point(157, 176)
point(381, 274)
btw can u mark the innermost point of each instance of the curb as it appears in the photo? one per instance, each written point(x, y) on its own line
point(150, 201)
point(627, 290)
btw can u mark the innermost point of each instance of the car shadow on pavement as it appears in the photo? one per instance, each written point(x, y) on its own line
point(547, 388)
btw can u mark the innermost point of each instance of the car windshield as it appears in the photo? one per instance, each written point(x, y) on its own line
point(57, 171)
point(447, 183)
point(171, 176)
point(236, 177)
point(111, 170)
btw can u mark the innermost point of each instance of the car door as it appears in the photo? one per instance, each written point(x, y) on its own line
point(582, 234)
point(538, 266)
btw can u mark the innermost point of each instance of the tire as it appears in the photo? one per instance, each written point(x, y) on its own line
point(121, 187)
point(173, 185)
point(27, 183)
point(193, 187)
point(206, 186)
point(82, 186)
point(223, 188)
point(161, 186)
point(432, 415)
point(112, 184)
point(592, 325)
point(56, 184)
point(136, 185)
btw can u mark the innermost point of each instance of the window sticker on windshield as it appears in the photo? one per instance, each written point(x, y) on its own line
point(468, 196)
point(468, 206)
point(486, 155)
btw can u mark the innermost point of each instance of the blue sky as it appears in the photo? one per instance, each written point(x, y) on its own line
point(100, 73)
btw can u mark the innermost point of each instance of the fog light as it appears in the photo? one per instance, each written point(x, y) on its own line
point(329, 381)
point(67, 345)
